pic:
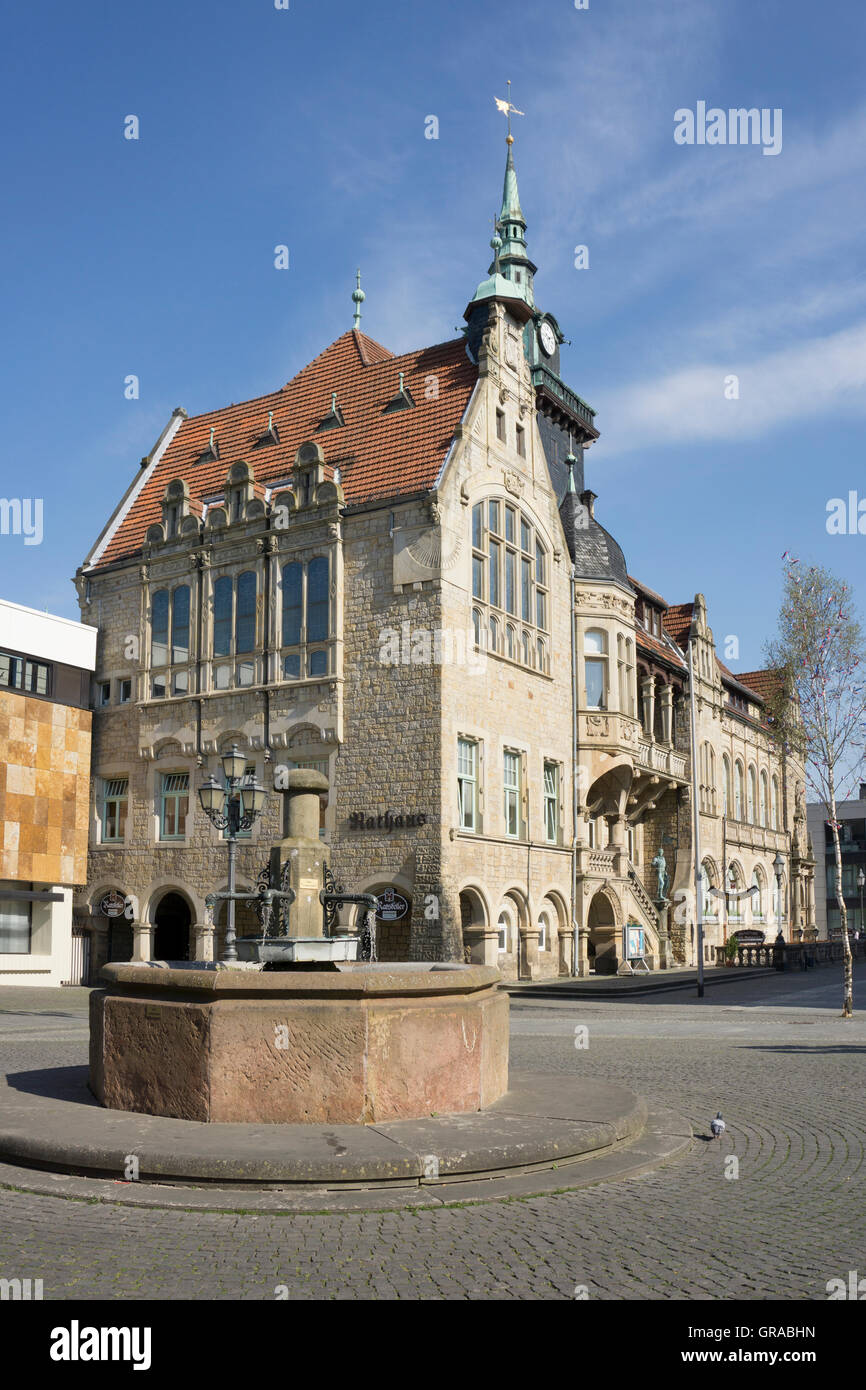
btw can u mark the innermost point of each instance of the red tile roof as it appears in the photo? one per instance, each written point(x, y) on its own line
point(678, 621)
point(379, 455)
point(654, 647)
point(764, 683)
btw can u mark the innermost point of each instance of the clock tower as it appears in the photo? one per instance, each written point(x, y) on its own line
point(566, 423)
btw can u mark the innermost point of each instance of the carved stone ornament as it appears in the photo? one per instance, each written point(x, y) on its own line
point(597, 725)
point(513, 482)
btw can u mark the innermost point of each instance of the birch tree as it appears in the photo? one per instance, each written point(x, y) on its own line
point(819, 710)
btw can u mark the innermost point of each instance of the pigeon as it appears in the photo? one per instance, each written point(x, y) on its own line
point(717, 1126)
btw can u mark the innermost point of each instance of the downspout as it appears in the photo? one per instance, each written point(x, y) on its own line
point(696, 815)
point(575, 963)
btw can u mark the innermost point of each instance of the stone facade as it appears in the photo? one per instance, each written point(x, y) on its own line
point(507, 744)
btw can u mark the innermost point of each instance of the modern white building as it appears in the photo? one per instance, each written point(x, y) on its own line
point(46, 664)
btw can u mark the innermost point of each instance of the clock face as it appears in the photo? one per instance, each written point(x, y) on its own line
point(547, 338)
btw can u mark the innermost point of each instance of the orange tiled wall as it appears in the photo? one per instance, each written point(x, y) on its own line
point(44, 790)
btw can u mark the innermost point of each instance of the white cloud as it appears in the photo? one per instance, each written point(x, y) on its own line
point(795, 384)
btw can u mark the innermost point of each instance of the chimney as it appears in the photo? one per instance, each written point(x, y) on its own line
point(587, 499)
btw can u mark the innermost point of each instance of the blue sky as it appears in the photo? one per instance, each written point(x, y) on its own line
point(306, 127)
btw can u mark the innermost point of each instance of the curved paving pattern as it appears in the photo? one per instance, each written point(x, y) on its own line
point(789, 1080)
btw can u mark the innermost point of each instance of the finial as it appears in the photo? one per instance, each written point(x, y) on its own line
point(358, 297)
point(401, 383)
point(270, 419)
point(333, 402)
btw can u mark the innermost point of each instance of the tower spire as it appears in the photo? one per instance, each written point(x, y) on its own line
point(358, 297)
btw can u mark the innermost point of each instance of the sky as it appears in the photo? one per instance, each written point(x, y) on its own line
point(719, 329)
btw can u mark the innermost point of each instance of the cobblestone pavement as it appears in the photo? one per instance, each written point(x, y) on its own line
point(772, 1054)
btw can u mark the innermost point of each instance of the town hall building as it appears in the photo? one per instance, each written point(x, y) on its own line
point(392, 569)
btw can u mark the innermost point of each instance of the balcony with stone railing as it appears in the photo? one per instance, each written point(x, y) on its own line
point(660, 757)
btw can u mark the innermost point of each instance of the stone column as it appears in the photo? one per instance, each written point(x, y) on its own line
point(142, 941)
point(306, 853)
point(203, 936)
point(583, 952)
point(527, 953)
point(618, 843)
point(648, 700)
point(667, 711)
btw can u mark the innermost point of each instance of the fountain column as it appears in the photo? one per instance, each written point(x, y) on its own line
point(301, 846)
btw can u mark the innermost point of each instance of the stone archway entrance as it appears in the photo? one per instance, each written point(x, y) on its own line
point(172, 923)
point(603, 936)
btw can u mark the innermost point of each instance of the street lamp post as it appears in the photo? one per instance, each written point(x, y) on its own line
point(778, 870)
point(861, 879)
point(232, 808)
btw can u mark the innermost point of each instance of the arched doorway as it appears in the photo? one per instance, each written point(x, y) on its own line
point(473, 924)
point(172, 923)
point(603, 958)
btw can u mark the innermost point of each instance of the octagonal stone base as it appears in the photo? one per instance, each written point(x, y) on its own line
point(356, 1045)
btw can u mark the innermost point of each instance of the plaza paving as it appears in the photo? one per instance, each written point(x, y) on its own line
point(770, 1052)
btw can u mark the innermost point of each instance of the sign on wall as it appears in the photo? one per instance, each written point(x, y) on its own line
point(112, 905)
point(392, 906)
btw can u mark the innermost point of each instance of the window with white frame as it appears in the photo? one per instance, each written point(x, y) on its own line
point(625, 667)
point(738, 791)
point(763, 807)
point(511, 793)
point(234, 630)
point(115, 803)
point(503, 927)
point(467, 783)
point(19, 673)
point(595, 668)
point(510, 576)
point(544, 930)
point(169, 642)
point(551, 802)
point(174, 805)
point(774, 803)
point(758, 896)
point(307, 627)
point(728, 797)
point(752, 796)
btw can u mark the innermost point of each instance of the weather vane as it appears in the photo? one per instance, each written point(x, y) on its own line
point(507, 109)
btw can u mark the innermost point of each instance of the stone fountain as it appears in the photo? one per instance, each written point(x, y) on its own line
point(299, 1030)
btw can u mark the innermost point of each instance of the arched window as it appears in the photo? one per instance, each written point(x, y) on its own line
point(541, 654)
point(510, 573)
point(595, 668)
point(510, 642)
point(774, 804)
point(504, 928)
point(318, 600)
point(726, 776)
point(753, 796)
point(476, 626)
point(738, 790)
point(712, 778)
point(763, 805)
point(707, 903)
point(758, 896)
point(494, 634)
point(543, 931)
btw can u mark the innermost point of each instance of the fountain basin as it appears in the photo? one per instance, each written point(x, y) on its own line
point(358, 1044)
point(286, 950)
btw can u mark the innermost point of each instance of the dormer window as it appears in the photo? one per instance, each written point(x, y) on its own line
point(270, 436)
point(404, 400)
point(334, 418)
point(212, 451)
